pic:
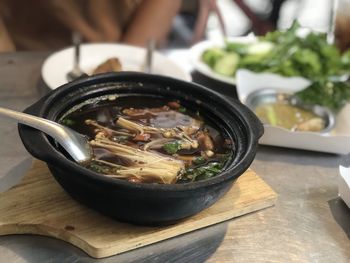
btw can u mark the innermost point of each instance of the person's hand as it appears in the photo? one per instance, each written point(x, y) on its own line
point(152, 20)
point(69, 14)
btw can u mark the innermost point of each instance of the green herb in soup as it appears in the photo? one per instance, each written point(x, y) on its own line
point(289, 117)
point(147, 140)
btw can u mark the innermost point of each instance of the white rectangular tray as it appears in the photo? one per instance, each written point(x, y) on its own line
point(337, 141)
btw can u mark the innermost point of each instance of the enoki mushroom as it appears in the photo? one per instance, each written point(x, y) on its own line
point(145, 164)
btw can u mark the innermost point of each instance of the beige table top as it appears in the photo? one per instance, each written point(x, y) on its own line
point(308, 224)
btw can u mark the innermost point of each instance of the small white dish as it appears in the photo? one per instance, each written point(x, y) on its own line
point(336, 141)
point(57, 65)
point(197, 50)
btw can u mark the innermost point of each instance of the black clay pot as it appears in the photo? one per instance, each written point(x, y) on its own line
point(143, 203)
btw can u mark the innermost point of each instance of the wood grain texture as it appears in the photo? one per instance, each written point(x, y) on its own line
point(38, 205)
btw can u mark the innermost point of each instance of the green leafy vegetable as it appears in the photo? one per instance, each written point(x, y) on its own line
point(311, 56)
point(99, 168)
point(199, 160)
point(345, 60)
point(67, 122)
point(271, 116)
point(210, 56)
point(239, 48)
point(227, 65)
point(182, 109)
point(326, 93)
point(172, 147)
point(289, 54)
point(120, 138)
point(203, 172)
point(282, 52)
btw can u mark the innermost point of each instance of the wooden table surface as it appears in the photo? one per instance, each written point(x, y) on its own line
point(308, 224)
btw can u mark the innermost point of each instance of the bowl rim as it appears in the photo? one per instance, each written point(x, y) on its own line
point(57, 159)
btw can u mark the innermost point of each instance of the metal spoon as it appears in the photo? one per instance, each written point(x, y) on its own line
point(147, 66)
point(74, 143)
point(76, 72)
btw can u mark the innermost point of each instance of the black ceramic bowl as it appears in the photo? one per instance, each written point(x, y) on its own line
point(143, 203)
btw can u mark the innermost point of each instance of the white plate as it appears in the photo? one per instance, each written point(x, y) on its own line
point(337, 141)
point(197, 50)
point(57, 65)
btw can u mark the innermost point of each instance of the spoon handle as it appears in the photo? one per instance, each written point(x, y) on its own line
point(47, 126)
point(74, 143)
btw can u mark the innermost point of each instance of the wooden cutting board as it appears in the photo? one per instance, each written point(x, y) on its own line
point(38, 205)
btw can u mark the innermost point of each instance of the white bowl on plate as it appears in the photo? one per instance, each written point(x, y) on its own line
point(57, 65)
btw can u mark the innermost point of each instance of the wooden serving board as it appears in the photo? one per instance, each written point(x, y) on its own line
point(38, 205)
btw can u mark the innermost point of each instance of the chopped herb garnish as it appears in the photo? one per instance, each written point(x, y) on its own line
point(99, 168)
point(67, 122)
point(199, 160)
point(172, 147)
point(182, 109)
point(203, 172)
point(120, 139)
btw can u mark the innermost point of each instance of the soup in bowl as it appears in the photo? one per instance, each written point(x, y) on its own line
point(148, 139)
point(164, 149)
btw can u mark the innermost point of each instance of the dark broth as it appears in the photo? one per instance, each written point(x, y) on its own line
point(181, 129)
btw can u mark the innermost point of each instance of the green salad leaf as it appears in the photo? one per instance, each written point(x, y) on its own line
point(67, 122)
point(331, 94)
point(239, 48)
point(311, 56)
point(345, 61)
point(212, 55)
point(227, 65)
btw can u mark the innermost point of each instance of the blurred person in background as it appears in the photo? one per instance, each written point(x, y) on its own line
point(48, 24)
point(342, 25)
point(197, 13)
